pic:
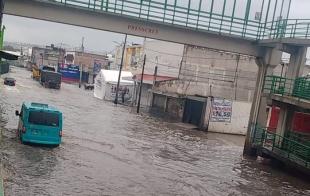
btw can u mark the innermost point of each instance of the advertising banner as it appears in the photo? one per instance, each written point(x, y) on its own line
point(221, 110)
point(97, 66)
point(69, 71)
point(124, 94)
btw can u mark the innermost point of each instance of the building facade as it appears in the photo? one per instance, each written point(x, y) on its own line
point(50, 56)
point(223, 76)
point(90, 63)
point(205, 72)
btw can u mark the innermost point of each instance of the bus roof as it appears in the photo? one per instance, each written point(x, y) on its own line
point(40, 106)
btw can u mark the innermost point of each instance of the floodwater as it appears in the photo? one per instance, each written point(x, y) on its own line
point(110, 150)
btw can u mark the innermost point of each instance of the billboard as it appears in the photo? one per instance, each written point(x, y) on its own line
point(69, 72)
point(221, 110)
point(97, 66)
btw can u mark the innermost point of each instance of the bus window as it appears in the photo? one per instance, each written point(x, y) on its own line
point(44, 118)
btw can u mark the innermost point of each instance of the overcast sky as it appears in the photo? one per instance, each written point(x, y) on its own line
point(44, 33)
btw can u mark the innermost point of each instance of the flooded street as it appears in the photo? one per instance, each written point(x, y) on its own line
point(110, 150)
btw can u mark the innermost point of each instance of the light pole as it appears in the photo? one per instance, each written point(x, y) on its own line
point(141, 82)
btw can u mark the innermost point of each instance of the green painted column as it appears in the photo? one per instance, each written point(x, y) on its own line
point(1, 186)
point(246, 17)
point(232, 16)
point(223, 13)
point(211, 12)
point(199, 10)
point(2, 37)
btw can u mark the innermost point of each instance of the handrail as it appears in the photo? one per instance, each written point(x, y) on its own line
point(282, 146)
point(299, 88)
point(197, 18)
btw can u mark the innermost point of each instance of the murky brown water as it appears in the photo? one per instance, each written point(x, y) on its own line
point(108, 150)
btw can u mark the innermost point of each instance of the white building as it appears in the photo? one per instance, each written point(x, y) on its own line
point(106, 82)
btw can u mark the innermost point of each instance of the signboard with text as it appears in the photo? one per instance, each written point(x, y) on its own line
point(221, 110)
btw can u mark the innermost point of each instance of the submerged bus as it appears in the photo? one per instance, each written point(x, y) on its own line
point(39, 123)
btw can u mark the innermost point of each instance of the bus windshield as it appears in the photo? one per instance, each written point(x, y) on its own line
point(44, 118)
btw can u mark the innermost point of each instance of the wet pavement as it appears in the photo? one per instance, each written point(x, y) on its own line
point(110, 150)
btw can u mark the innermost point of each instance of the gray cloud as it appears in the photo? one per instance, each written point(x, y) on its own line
point(26, 30)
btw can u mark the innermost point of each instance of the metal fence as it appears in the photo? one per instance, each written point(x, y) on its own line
point(287, 28)
point(252, 19)
point(299, 88)
point(282, 146)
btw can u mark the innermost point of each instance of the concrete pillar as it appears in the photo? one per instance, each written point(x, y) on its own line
point(206, 114)
point(281, 127)
point(285, 121)
point(166, 104)
point(258, 116)
point(297, 62)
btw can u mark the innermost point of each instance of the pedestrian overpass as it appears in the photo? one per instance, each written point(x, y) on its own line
point(259, 28)
point(228, 25)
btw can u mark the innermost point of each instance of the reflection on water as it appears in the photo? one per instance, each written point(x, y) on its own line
point(109, 150)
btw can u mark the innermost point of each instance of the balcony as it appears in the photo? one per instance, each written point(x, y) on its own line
point(288, 149)
point(296, 92)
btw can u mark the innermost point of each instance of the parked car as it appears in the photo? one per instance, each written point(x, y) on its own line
point(89, 86)
point(9, 81)
point(39, 123)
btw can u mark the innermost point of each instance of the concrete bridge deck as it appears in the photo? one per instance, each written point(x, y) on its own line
point(96, 19)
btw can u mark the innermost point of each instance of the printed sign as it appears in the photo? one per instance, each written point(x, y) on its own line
point(69, 71)
point(221, 110)
point(124, 93)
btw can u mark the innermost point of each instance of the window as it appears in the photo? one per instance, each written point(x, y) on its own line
point(44, 118)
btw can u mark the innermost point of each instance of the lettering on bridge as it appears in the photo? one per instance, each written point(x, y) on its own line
point(143, 29)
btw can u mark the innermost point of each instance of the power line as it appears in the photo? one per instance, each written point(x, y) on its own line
point(215, 69)
point(220, 75)
point(193, 57)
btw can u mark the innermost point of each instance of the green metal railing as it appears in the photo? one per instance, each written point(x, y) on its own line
point(282, 146)
point(287, 28)
point(299, 88)
point(178, 13)
point(231, 17)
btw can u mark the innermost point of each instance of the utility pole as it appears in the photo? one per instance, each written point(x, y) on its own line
point(81, 65)
point(236, 76)
point(141, 82)
point(120, 72)
point(155, 76)
point(59, 53)
point(1, 12)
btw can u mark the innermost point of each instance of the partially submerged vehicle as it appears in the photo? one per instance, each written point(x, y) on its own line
point(9, 81)
point(89, 86)
point(36, 72)
point(39, 123)
point(50, 79)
